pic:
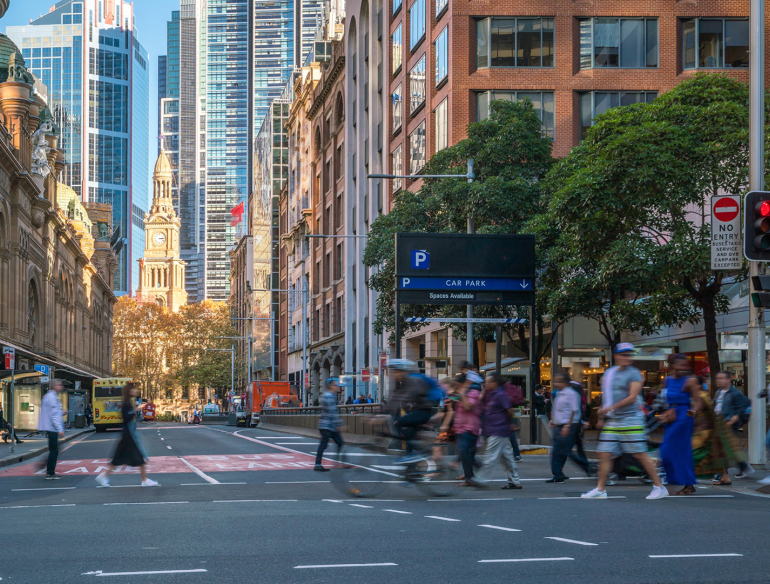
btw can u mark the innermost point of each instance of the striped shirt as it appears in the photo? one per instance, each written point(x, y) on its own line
point(330, 418)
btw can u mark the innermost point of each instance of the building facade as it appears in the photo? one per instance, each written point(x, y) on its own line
point(367, 59)
point(327, 249)
point(88, 54)
point(168, 103)
point(56, 295)
point(161, 271)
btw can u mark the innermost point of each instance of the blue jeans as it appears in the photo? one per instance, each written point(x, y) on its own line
point(466, 446)
point(515, 445)
point(562, 448)
point(326, 435)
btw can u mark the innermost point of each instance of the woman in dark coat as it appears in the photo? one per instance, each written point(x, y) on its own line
point(130, 450)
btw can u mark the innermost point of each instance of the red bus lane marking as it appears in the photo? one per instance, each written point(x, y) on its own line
point(172, 464)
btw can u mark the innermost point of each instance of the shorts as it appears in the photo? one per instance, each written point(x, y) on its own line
point(623, 436)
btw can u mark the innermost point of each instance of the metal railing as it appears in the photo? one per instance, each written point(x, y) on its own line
point(316, 410)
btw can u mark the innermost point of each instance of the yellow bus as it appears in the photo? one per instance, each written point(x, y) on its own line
point(106, 400)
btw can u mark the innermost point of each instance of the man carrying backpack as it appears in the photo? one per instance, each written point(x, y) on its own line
point(731, 405)
point(410, 395)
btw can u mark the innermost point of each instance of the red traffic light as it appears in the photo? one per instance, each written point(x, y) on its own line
point(763, 208)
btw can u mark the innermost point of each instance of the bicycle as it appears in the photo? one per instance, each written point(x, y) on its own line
point(431, 473)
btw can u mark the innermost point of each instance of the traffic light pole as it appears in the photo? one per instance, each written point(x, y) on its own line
point(756, 366)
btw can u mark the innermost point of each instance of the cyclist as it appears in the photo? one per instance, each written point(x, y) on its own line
point(409, 405)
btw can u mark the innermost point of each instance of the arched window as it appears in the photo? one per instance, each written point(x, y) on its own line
point(340, 107)
point(317, 143)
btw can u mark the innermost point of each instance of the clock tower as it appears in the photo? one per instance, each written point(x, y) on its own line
point(161, 272)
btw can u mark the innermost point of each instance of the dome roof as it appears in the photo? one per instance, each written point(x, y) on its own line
point(7, 48)
point(162, 166)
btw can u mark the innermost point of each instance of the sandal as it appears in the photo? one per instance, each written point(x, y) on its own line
point(688, 490)
point(511, 486)
point(722, 482)
point(460, 478)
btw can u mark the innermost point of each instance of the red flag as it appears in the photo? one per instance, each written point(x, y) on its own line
point(237, 213)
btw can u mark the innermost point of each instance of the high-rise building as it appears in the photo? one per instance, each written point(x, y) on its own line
point(88, 54)
point(168, 103)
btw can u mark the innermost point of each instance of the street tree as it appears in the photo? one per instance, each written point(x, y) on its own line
point(625, 233)
point(512, 156)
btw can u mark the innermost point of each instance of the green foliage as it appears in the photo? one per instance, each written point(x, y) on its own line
point(625, 236)
point(511, 156)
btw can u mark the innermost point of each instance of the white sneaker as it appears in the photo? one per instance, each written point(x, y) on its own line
point(658, 493)
point(594, 494)
point(764, 481)
point(102, 480)
point(150, 483)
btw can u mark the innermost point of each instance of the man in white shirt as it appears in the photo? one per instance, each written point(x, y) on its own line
point(565, 422)
point(52, 423)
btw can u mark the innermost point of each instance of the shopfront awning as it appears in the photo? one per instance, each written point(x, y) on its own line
point(503, 364)
point(5, 376)
point(26, 353)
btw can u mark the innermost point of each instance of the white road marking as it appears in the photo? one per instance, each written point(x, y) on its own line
point(362, 506)
point(440, 518)
point(392, 467)
point(280, 437)
point(351, 454)
point(397, 511)
point(36, 506)
point(162, 438)
point(199, 472)
point(500, 528)
point(492, 499)
point(344, 566)
point(169, 447)
point(45, 489)
point(207, 484)
point(571, 541)
point(701, 556)
point(526, 560)
point(294, 482)
point(152, 503)
point(752, 494)
point(297, 443)
point(119, 487)
point(99, 573)
point(576, 498)
point(703, 497)
point(258, 501)
point(331, 500)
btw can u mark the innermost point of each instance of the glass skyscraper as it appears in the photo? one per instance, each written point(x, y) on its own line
point(97, 73)
point(168, 103)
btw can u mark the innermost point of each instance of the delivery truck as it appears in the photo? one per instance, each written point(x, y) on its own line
point(259, 394)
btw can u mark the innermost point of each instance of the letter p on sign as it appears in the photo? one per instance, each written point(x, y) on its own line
point(420, 259)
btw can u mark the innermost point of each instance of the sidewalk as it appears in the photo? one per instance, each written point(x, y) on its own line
point(34, 446)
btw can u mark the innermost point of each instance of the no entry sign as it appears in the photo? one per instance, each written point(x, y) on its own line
point(726, 233)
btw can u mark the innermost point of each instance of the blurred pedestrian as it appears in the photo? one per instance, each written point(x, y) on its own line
point(130, 450)
point(471, 374)
point(764, 395)
point(624, 426)
point(467, 425)
point(496, 427)
point(52, 423)
point(683, 401)
point(728, 405)
point(516, 395)
point(329, 424)
point(565, 422)
point(369, 398)
point(539, 400)
point(349, 401)
point(4, 425)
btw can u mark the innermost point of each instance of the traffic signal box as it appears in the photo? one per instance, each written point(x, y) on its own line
point(761, 297)
point(756, 231)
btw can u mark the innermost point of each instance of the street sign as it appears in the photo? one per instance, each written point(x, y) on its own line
point(10, 357)
point(726, 233)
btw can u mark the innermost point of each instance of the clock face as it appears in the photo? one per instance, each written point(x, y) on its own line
point(159, 238)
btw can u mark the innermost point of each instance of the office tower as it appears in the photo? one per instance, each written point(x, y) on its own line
point(168, 103)
point(88, 54)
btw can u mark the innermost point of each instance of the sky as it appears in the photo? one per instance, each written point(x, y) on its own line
point(151, 18)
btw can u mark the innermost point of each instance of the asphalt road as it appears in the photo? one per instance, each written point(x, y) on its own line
point(246, 506)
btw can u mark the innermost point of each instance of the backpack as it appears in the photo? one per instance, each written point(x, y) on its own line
point(515, 394)
point(583, 397)
point(435, 395)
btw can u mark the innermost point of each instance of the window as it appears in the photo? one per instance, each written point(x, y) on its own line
point(442, 125)
point(398, 45)
point(417, 86)
point(442, 58)
point(514, 42)
point(416, 23)
point(709, 43)
point(619, 42)
point(417, 149)
point(596, 103)
point(542, 101)
point(397, 99)
point(440, 5)
point(396, 6)
point(396, 164)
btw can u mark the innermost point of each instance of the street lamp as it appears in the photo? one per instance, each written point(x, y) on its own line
point(471, 228)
